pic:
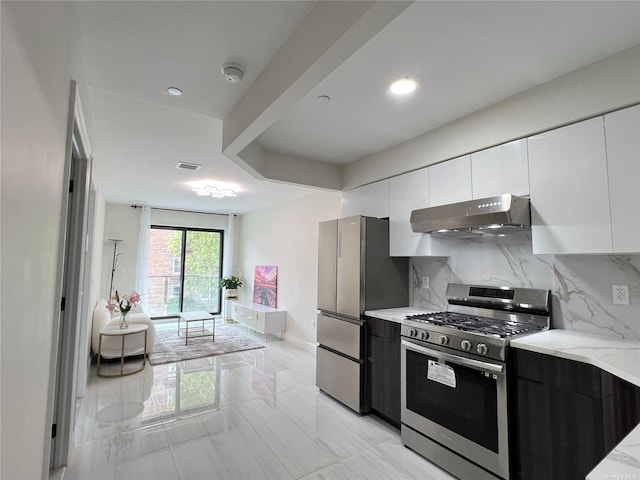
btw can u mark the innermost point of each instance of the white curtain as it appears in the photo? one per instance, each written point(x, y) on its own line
point(227, 261)
point(142, 268)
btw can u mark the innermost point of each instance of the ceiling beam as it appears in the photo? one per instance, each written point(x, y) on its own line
point(329, 35)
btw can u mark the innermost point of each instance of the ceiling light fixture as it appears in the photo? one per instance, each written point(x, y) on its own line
point(323, 99)
point(175, 91)
point(403, 86)
point(215, 189)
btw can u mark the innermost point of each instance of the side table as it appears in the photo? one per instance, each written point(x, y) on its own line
point(228, 303)
point(116, 331)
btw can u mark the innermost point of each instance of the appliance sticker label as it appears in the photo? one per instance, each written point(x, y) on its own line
point(441, 373)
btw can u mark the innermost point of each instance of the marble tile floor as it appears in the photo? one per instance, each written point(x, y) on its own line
point(247, 415)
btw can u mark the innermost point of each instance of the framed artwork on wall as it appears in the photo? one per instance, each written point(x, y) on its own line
point(265, 285)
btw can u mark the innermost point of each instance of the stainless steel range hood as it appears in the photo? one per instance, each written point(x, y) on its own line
point(492, 216)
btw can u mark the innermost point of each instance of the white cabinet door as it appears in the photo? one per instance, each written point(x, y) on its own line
point(370, 200)
point(623, 160)
point(351, 204)
point(569, 191)
point(406, 193)
point(375, 199)
point(501, 169)
point(450, 182)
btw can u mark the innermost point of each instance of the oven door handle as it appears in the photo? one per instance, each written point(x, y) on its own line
point(467, 362)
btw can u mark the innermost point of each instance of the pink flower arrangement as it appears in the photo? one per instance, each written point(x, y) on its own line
point(123, 304)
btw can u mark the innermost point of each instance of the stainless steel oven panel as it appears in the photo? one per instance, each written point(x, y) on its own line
point(520, 317)
point(343, 336)
point(528, 297)
point(497, 463)
point(496, 346)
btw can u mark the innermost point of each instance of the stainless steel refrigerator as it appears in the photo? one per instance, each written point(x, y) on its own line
point(355, 273)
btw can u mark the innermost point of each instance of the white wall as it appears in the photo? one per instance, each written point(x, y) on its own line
point(39, 59)
point(123, 223)
point(93, 288)
point(287, 236)
point(98, 248)
point(609, 84)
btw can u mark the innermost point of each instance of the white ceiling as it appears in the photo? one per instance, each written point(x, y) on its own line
point(465, 56)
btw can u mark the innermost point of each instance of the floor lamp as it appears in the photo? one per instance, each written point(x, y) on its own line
point(116, 256)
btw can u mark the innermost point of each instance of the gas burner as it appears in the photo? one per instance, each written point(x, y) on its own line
point(474, 324)
point(480, 321)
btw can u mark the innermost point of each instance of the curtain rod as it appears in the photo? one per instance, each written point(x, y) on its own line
point(184, 211)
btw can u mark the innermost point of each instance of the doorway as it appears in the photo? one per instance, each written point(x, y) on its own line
point(70, 286)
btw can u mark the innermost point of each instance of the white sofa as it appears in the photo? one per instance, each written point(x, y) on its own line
point(134, 344)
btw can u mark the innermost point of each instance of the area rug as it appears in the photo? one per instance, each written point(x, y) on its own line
point(170, 347)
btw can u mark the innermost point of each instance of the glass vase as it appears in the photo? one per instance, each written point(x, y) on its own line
point(123, 321)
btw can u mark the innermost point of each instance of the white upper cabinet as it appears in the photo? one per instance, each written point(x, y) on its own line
point(501, 169)
point(406, 193)
point(569, 190)
point(450, 182)
point(350, 203)
point(623, 159)
point(370, 200)
point(375, 199)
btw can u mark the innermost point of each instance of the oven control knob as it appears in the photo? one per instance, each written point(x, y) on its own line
point(482, 349)
point(413, 332)
point(424, 336)
point(466, 345)
point(444, 339)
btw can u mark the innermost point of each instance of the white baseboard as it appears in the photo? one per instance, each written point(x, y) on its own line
point(301, 343)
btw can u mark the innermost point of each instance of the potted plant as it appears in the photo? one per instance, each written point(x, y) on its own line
point(231, 284)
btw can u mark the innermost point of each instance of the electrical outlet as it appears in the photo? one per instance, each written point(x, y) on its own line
point(425, 282)
point(621, 294)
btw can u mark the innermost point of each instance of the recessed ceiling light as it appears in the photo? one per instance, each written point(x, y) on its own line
point(175, 91)
point(323, 99)
point(403, 86)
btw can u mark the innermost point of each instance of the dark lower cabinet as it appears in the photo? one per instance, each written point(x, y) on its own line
point(383, 359)
point(565, 416)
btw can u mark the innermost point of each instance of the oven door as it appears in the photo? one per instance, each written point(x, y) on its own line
point(457, 401)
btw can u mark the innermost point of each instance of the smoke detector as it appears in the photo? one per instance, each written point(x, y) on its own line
point(233, 73)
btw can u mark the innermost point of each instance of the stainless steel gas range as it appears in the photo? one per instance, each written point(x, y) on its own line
point(454, 376)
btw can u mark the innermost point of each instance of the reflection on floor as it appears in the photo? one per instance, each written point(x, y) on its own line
point(246, 415)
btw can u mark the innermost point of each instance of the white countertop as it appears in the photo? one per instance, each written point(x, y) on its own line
point(396, 314)
point(616, 356)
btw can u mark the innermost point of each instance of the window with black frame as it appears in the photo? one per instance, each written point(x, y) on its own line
point(185, 267)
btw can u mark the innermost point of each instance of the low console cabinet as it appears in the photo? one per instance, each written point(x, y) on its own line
point(261, 318)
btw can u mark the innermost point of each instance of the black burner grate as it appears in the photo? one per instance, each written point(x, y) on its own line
point(475, 324)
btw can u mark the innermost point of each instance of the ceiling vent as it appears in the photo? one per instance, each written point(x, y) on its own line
point(193, 167)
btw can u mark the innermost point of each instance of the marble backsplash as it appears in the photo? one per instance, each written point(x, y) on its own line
point(580, 284)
